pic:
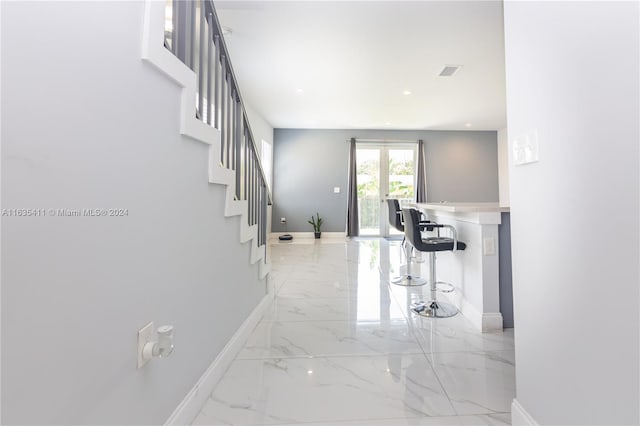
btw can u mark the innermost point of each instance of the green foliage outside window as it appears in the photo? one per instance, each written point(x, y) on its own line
point(400, 186)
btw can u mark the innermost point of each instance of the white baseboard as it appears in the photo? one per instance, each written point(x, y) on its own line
point(492, 321)
point(191, 405)
point(520, 416)
point(485, 322)
point(308, 235)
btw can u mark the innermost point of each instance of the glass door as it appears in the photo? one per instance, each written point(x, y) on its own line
point(384, 171)
point(368, 161)
point(400, 178)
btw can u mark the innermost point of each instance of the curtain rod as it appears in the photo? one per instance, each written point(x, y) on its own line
point(385, 140)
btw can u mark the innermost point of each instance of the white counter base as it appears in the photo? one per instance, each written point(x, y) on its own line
point(475, 271)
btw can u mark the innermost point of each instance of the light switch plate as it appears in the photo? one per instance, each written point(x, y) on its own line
point(144, 335)
point(489, 246)
point(525, 148)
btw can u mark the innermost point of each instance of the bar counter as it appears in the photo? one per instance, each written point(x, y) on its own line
point(475, 272)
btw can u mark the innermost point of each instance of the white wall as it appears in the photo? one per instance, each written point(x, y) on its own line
point(85, 123)
point(503, 167)
point(262, 131)
point(573, 74)
point(260, 127)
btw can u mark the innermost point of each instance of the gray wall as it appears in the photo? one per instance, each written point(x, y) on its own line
point(85, 123)
point(461, 166)
point(575, 281)
point(505, 274)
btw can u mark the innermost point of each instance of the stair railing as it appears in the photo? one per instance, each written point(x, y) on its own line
point(194, 35)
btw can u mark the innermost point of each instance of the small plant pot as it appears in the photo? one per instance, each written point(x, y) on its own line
point(317, 234)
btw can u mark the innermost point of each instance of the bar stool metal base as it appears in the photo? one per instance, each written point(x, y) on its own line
point(434, 309)
point(409, 281)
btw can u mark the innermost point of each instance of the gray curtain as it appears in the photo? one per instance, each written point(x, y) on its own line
point(353, 228)
point(421, 188)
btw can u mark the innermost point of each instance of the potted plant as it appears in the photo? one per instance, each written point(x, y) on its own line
point(316, 222)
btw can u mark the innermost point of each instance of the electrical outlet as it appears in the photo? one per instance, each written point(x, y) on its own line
point(144, 335)
point(283, 220)
point(489, 244)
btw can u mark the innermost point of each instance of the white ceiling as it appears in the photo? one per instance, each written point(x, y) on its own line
point(345, 65)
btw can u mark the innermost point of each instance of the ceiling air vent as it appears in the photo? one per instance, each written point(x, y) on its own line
point(449, 70)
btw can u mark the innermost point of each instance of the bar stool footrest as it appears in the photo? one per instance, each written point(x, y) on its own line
point(434, 309)
point(448, 287)
point(408, 281)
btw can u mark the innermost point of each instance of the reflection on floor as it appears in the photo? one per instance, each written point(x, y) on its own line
point(340, 347)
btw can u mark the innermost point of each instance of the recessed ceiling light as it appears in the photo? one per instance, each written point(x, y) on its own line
point(467, 124)
point(299, 90)
point(406, 92)
point(449, 70)
point(387, 124)
point(309, 372)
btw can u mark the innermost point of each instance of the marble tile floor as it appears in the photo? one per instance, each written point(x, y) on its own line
point(339, 346)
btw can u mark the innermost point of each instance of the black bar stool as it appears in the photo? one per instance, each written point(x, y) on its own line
point(396, 220)
point(432, 308)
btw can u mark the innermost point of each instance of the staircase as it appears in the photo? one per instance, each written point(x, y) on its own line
point(184, 40)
